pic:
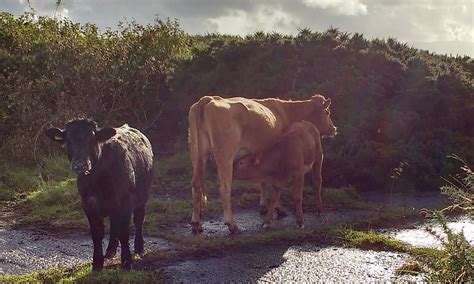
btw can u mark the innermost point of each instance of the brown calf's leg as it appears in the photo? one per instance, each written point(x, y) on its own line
point(263, 198)
point(271, 208)
point(298, 200)
point(317, 180)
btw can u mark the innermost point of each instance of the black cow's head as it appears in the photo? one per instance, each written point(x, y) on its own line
point(82, 139)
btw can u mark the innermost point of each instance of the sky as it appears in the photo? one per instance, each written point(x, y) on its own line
point(440, 26)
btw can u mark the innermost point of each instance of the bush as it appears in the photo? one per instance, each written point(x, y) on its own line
point(455, 262)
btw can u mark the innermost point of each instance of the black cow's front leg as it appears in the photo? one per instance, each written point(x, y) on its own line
point(96, 224)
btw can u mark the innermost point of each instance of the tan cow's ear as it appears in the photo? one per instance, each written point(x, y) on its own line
point(326, 103)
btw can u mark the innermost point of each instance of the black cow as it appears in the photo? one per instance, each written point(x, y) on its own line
point(114, 167)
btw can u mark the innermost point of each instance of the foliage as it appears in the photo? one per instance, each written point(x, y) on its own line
point(393, 103)
point(52, 70)
point(454, 263)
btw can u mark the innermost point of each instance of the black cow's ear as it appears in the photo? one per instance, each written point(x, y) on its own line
point(55, 134)
point(105, 134)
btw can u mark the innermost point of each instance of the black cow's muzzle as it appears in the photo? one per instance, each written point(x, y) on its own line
point(81, 167)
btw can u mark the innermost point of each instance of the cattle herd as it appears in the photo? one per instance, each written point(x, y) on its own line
point(267, 141)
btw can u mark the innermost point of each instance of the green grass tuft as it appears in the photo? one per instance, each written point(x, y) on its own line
point(369, 240)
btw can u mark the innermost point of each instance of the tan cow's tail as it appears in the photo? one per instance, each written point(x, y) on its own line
point(196, 128)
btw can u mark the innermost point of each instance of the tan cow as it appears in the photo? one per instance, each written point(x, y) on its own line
point(284, 164)
point(220, 127)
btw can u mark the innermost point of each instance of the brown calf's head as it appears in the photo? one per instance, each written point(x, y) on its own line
point(82, 139)
point(247, 167)
point(321, 116)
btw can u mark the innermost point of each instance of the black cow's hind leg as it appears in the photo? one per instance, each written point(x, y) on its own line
point(124, 231)
point(138, 218)
point(113, 239)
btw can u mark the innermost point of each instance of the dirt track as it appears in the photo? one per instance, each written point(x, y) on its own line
point(23, 250)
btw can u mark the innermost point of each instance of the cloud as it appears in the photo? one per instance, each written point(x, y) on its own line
point(262, 19)
point(438, 24)
point(343, 7)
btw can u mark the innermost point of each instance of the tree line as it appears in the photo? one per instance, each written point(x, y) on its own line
point(400, 110)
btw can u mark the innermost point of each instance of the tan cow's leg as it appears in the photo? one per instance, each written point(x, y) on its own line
point(273, 203)
point(197, 190)
point(317, 180)
point(298, 200)
point(224, 180)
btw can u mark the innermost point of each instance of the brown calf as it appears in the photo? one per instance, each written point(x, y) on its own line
point(285, 163)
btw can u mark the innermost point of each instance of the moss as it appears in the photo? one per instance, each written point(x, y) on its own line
point(368, 240)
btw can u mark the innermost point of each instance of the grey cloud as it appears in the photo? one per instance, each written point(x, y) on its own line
point(434, 24)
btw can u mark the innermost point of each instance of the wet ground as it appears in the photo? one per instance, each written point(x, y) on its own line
point(308, 263)
point(24, 250)
point(419, 237)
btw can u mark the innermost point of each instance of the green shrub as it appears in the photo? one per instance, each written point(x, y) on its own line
point(455, 261)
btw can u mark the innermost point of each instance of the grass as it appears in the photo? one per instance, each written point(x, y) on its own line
point(81, 274)
point(368, 240)
point(49, 196)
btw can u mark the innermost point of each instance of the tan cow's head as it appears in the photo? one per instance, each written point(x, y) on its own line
point(321, 116)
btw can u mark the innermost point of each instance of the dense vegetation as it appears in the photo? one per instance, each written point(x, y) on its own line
point(399, 110)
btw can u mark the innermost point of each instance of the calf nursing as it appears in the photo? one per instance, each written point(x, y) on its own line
point(285, 164)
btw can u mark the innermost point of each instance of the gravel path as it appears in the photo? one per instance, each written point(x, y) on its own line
point(306, 264)
point(24, 251)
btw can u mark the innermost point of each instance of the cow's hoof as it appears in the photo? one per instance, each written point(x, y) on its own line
point(141, 253)
point(263, 210)
point(197, 228)
point(127, 265)
point(300, 225)
point(266, 225)
point(281, 213)
point(233, 229)
point(110, 253)
point(97, 267)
